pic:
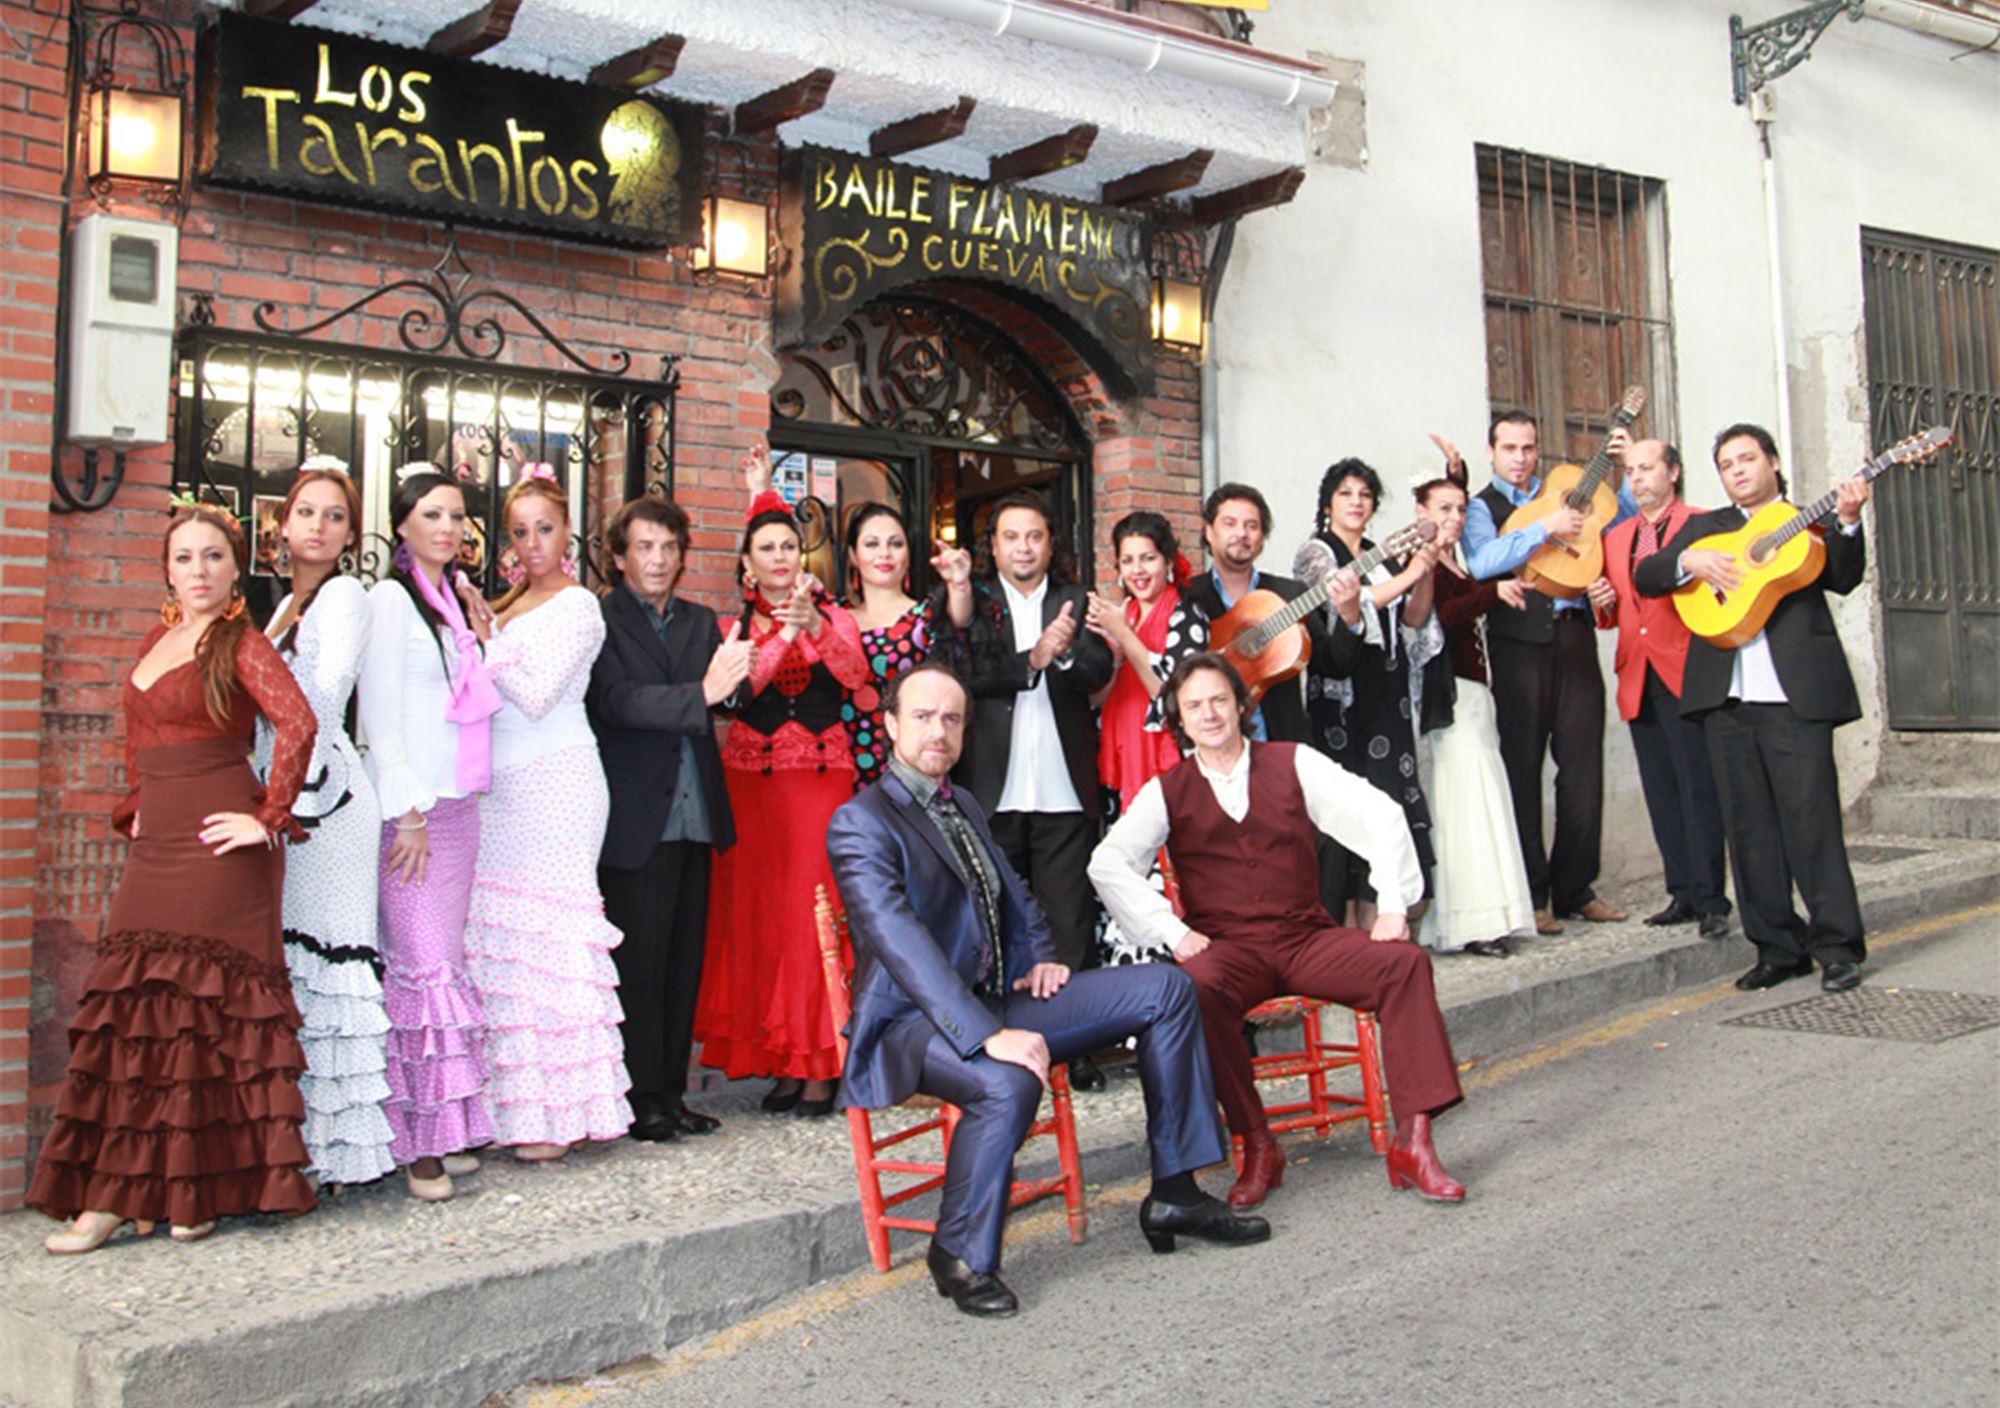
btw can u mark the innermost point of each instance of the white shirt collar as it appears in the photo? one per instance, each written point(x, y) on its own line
point(1033, 598)
point(1235, 770)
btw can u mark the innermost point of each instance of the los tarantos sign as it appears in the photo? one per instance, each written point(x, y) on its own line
point(331, 117)
point(857, 227)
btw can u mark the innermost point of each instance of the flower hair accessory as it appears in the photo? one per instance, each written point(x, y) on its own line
point(322, 464)
point(539, 470)
point(182, 500)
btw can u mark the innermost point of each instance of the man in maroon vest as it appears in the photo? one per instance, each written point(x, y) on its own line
point(1238, 818)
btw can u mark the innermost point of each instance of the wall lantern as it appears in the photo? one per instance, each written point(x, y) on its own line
point(735, 238)
point(137, 113)
point(1177, 313)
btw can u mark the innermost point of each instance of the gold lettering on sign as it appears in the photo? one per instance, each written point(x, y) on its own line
point(271, 97)
point(325, 92)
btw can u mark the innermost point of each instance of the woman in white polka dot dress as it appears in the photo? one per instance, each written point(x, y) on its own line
point(537, 943)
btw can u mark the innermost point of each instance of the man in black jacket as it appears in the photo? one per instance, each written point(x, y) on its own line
point(1031, 760)
point(663, 667)
point(1768, 709)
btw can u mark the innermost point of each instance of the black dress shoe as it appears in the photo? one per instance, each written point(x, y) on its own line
point(780, 1100)
point(974, 1292)
point(655, 1128)
point(1488, 948)
point(1674, 913)
point(695, 1122)
point(1769, 975)
point(1715, 926)
point(1210, 1220)
point(1085, 1075)
point(817, 1109)
point(1840, 976)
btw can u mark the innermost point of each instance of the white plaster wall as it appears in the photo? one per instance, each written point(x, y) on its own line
point(1350, 322)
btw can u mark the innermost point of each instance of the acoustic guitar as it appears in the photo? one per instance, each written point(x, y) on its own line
point(1777, 555)
point(1567, 568)
point(1262, 636)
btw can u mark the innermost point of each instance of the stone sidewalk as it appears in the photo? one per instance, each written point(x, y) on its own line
point(623, 1250)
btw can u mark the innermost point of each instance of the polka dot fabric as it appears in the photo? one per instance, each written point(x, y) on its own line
point(889, 650)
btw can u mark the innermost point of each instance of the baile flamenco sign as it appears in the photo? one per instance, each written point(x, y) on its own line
point(858, 227)
point(331, 117)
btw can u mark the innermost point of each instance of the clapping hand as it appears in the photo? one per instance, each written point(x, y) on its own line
point(1055, 640)
point(799, 613)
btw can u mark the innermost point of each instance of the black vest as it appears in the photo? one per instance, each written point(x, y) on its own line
point(1534, 624)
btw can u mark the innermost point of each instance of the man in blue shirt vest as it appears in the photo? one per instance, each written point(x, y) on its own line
point(1548, 692)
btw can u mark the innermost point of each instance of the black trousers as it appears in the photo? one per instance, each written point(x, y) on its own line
point(1781, 808)
point(1051, 851)
point(1679, 785)
point(1550, 699)
point(662, 909)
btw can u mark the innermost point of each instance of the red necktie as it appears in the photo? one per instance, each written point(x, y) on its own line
point(1649, 539)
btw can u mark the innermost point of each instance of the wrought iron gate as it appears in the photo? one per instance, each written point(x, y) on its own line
point(1932, 315)
point(254, 406)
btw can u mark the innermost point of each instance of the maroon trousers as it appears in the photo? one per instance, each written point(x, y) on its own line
point(1392, 980)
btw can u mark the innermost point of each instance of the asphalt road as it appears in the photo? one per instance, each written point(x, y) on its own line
point(1663, 1210)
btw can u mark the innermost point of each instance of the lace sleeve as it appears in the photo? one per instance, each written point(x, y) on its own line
point(125, 815)
point(262, 673)
point(538, 661)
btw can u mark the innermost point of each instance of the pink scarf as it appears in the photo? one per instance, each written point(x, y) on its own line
point(474, 700)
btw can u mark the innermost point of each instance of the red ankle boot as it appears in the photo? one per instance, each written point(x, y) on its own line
point(1413, 1163)
point(1263, 1170)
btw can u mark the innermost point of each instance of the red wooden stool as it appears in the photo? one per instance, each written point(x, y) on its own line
point(1317, 1058)
point(869, 1163)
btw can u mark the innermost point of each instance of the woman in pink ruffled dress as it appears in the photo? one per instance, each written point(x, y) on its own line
point(537, 942)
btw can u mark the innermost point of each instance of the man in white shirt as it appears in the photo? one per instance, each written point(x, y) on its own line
point(1031, 760)
point(1768, 709)
point(1238, 818)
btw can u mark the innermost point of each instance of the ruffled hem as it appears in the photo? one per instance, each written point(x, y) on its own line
point(185, 1106)
point(64, 1190)
point(553, 1045)
point(170, 1153)
point(598, 1117)
point(330, 1019)
point(330, 1097)
point(340, 1058)
point(344, 1162)
point(433, 1133)
point(196, 967)
point(741, 1060)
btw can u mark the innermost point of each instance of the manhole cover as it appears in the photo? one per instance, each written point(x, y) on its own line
point(1872, 853)
point(1884, 1014)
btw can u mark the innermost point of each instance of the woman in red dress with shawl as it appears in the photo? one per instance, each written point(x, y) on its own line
point(788, 764)
point(182, 1099)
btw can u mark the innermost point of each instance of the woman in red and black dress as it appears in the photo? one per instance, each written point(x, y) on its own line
point(182, 1100)
point(788, 765)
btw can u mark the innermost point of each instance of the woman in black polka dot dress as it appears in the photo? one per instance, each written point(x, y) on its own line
point(1365, 721)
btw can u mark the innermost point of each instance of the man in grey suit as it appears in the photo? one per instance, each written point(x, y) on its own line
point(664, 665)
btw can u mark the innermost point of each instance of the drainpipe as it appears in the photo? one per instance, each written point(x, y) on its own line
point(1763, 112)
point(1211, 435)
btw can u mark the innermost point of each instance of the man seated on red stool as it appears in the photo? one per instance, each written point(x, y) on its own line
point(957, 993)
point(1238, 818)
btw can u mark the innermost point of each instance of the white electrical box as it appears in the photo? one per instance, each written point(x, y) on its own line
point(121, 330)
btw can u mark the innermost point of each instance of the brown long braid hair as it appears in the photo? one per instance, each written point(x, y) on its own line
point(351, 499)
point(215, 652)
point(529, 489)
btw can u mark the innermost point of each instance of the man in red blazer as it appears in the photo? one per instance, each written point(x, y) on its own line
point(1650, 662)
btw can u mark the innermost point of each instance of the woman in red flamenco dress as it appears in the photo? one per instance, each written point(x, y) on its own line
point(182, 1100)
point(789, 765)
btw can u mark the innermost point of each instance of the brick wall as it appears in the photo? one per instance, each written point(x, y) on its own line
point(76, 595)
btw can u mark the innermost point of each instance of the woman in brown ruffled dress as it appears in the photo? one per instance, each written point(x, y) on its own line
point(182, 1101)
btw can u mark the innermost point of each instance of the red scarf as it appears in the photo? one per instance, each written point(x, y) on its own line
point(1127, 756)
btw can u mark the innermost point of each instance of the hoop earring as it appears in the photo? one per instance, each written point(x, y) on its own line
point(170, 610)
point(284, 562)
point(237, 606)
point(347, 562)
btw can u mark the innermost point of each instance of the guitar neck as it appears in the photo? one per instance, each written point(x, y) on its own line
point(1823, 505)
point(1314, 597)
point(1599, 464)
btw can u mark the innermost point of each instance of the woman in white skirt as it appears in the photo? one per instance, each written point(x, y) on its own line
point(1480, 884)
point(321, 629)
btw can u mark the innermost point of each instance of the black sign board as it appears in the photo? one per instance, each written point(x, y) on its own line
point(857, 227)
point(336, 118)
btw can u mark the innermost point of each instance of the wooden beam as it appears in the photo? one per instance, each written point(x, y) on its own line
point(1260, 194)
point(1157, 181)
point(277, 9)
point(477, 32)
point(924, 130)
point(766, 111)
point(1040, 158)
point(643, 66)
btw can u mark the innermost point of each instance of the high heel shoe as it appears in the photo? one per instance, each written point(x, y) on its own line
point(191, 1234)
point(78, 1238)
point(817, 1109)
point(782, 1097)
point(459, 1165)
point(429, 1190)
point(1413, 1163)
point(1210, 1220)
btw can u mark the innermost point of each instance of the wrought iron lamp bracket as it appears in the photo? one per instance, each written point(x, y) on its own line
point(1759, 53)
point(101, 71)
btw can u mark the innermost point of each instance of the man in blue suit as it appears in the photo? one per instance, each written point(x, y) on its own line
point(957, 994)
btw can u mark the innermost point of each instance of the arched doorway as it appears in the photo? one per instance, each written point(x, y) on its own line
point(915, 403)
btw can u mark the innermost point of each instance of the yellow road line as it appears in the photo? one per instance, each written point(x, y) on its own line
point(865, 1285)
